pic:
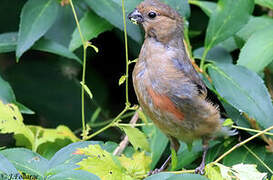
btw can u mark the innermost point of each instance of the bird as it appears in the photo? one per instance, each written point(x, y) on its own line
point(168, 88)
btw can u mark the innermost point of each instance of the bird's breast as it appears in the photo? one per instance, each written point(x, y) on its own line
point(154, 101)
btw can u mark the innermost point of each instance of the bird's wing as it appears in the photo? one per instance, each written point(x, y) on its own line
point(190, 73)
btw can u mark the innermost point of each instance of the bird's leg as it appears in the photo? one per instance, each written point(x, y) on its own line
point(201, 167)
point(175, 146)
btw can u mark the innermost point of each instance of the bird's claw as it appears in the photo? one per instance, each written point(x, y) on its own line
point(200, 170)
point(155, 171)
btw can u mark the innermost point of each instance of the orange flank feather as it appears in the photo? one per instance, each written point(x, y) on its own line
point(164, 103)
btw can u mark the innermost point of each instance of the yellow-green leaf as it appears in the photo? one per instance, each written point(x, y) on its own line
point(11, 121)
point(136, 138)
point(101, 163)
point(228, 122)
point(217, 171)
point(87, 90)
point(138, 165)
point(213, 172)
point(142, 116)
point(245, 171)
point(122, 80)
point(44, 135)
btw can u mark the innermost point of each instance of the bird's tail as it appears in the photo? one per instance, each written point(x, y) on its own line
point(226, 131)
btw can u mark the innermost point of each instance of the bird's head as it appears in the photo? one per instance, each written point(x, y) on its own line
point(158, 20)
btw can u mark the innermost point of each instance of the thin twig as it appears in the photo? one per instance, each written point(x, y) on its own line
point(242, 143)
point(84, 133)
point(259, 159)
point(182, 172)
point(124, 143)
point(250, 130)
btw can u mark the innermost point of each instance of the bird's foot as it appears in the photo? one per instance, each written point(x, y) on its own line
point(200, 169)
point(155, 171)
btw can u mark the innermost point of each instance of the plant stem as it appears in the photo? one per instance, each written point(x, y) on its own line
point(84, 67)
point(242, 143)
point(259, 159)
point(126, 53)
point(202, 63)
point(182, 172)
point(250, 130)
point(135, 125)
point(109, 125)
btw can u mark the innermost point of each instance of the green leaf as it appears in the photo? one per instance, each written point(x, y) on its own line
point(55, 48)
point(95, 115)
point(73, 175)
point(213, 172)
point(157, 149)
point(7, 96)
point(220, 148)
point(87, 90)
point(244, 171)
point(60, 75)
point(242, 155)
point(91, 26)
point(27, 161)
point(11, 121)
point(111, 11)
point(244, 90)
point(266, 3)
point(235, 115)
point(257, 52)
point(136, 138)
point(254, 24)
point(61, 135)
point(228, 122)
point(101, 163)
point(216, 171)
point(142, 116)
point(37, 17)
point(181, 6)
point(64, 159)
point(122, 80)
point(138, 164)
point(227, 20)
point(8, 42)
point(174, 159)
point(206, 6)
point(229, 44)
point(185, 156)
point(6, 92)
point(7, 169)
point(216, 54)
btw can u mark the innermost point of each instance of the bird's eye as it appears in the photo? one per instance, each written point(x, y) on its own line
point(152, 15)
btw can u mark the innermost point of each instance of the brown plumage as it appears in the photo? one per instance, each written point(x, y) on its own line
point(168, 88)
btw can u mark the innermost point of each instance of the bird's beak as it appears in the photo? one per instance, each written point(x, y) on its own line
point(136, 17)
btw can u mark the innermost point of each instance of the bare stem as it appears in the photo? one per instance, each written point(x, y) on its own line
point(84, 67)
point(250, 130)
point(109, 125)
point(259, 159)
point(182, 172)
point(126, 53)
